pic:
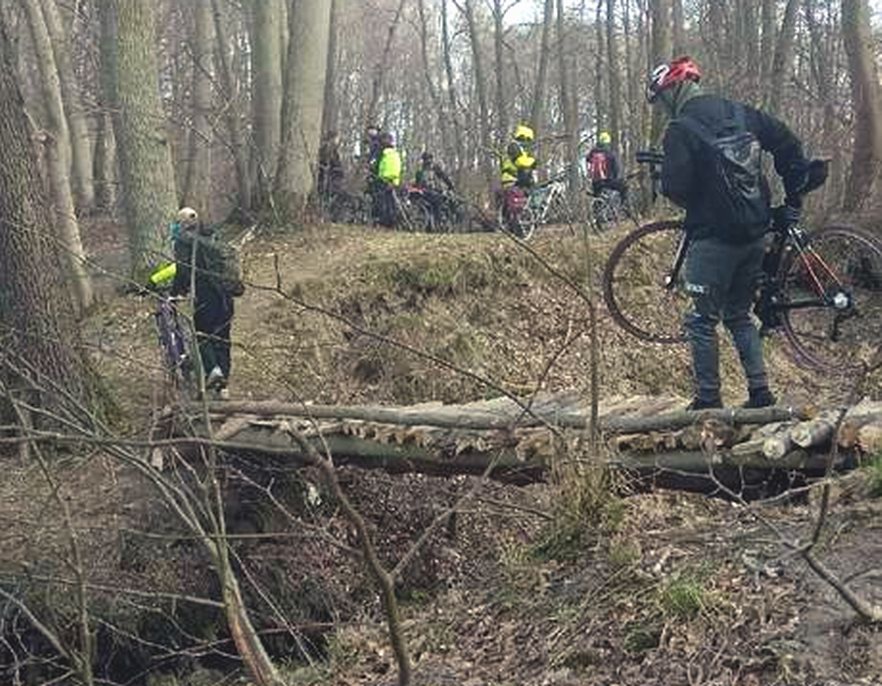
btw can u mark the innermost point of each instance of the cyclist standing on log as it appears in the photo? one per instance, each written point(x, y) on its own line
point(711, 168)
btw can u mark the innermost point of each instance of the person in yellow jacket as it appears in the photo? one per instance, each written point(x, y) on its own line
point(387, 178)
point(518, 165)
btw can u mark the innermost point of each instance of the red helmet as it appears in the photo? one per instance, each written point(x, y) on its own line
point(666, 75)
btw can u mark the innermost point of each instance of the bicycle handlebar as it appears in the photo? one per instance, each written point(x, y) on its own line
point(649, 157)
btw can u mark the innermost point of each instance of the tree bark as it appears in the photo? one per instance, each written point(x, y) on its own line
point(266, 67)
point(145, 162)
point(231, 108)
point(767, 42)
point(498, 37)
point(58, 156)
point(567, 102)
point(615, 95)
point(303, 101)
point(81, 152)
point(480, 83)
point(661, 52)
point(197, 184)
point(451, 90)
point(866, 103)
point(679, 44)
point(329, 109)
point(537, 110)
point(381, 68)
point(36, 311)
point(783, 57)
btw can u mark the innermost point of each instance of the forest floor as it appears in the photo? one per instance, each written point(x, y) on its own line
point(557, 584)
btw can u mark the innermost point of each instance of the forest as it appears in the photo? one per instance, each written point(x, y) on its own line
point(376, 342)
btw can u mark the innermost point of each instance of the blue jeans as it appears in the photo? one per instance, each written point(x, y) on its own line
point(722, 279)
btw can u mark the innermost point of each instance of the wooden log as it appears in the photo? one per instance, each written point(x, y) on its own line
point(778, 445)
point(453, 416)
point(865, 412)
point(815, 432)
point(870, 438)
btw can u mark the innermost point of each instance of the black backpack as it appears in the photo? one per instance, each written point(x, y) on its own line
point(735, 184)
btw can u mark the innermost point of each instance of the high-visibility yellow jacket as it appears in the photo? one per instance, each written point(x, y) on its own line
point(389, 166)
point(517, 166)
point(163, 275)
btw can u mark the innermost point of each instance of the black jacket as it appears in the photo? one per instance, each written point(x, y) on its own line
point(209, 292)
point(685, 164)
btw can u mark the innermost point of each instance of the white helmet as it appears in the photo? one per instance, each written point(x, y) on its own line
point(187, 216)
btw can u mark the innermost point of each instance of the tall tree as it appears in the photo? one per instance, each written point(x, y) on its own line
point(615, 95)
point(37, 315)
point(329, 109)
point(450, 81)
point(226, 74)
point(499, 71)
point(145, 163)
point(59, 155)
point(310, 24)
point(781, 63)
point(866, 104)
point(197, 183)
point(81, 151)
point(661, 52)
point(537, 111)
point(567, 101)
point(266, 101)
point(382, 67)
point(478, 75)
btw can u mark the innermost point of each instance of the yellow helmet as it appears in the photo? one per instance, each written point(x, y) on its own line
point(604, 138)
point(523, 133)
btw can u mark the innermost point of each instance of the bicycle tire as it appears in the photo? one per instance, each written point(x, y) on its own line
point(854, 258)
point(633, 284)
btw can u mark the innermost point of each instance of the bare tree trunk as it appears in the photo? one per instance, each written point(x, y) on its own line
point(599, 70)
point(303, 101)
point(782, 59)
point(329, 110)
point(451, 90)
point(480, 83)
point(382, 67)
point(767, 43)
point(59, 156)
point(142, 142)
point(661, 52)
point(103, 163)
point(266, 100)
point(867, 152)
point(437, 103)
point(615, 103)
point(197, 184)
point(537, 111)
point(36, 310)
point(81, 152)
point(567, 102)
point(679, 28)
point(231, 107)
point(498, 35)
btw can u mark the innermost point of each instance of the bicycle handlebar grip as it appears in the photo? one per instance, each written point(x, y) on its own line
point(649, 157)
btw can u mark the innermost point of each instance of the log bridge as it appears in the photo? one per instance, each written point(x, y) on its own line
point(522, 441)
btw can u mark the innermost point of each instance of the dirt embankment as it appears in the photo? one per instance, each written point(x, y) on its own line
point(653, 589)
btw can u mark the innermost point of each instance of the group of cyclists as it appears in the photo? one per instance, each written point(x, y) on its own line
point(710, 167)
point(432, 188)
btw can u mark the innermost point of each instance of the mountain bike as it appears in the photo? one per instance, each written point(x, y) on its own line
point(174, 344)
point(822, 289)
point(606, 209)
point(549, 202)
point(515, 214)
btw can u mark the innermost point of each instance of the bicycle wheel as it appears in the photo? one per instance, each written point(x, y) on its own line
point(841, 271)
point(634, 284)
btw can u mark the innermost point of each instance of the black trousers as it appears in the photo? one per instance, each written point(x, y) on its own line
point(213, 319)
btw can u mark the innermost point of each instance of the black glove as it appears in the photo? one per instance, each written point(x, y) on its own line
point(786, 215)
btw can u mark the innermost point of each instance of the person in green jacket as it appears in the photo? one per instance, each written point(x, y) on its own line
point(387, 178)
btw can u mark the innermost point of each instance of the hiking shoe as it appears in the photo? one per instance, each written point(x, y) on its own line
point(760, 397)
point(215, 378)
point(704, 404)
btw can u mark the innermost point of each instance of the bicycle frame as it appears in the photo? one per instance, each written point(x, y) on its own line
point(171, 338)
